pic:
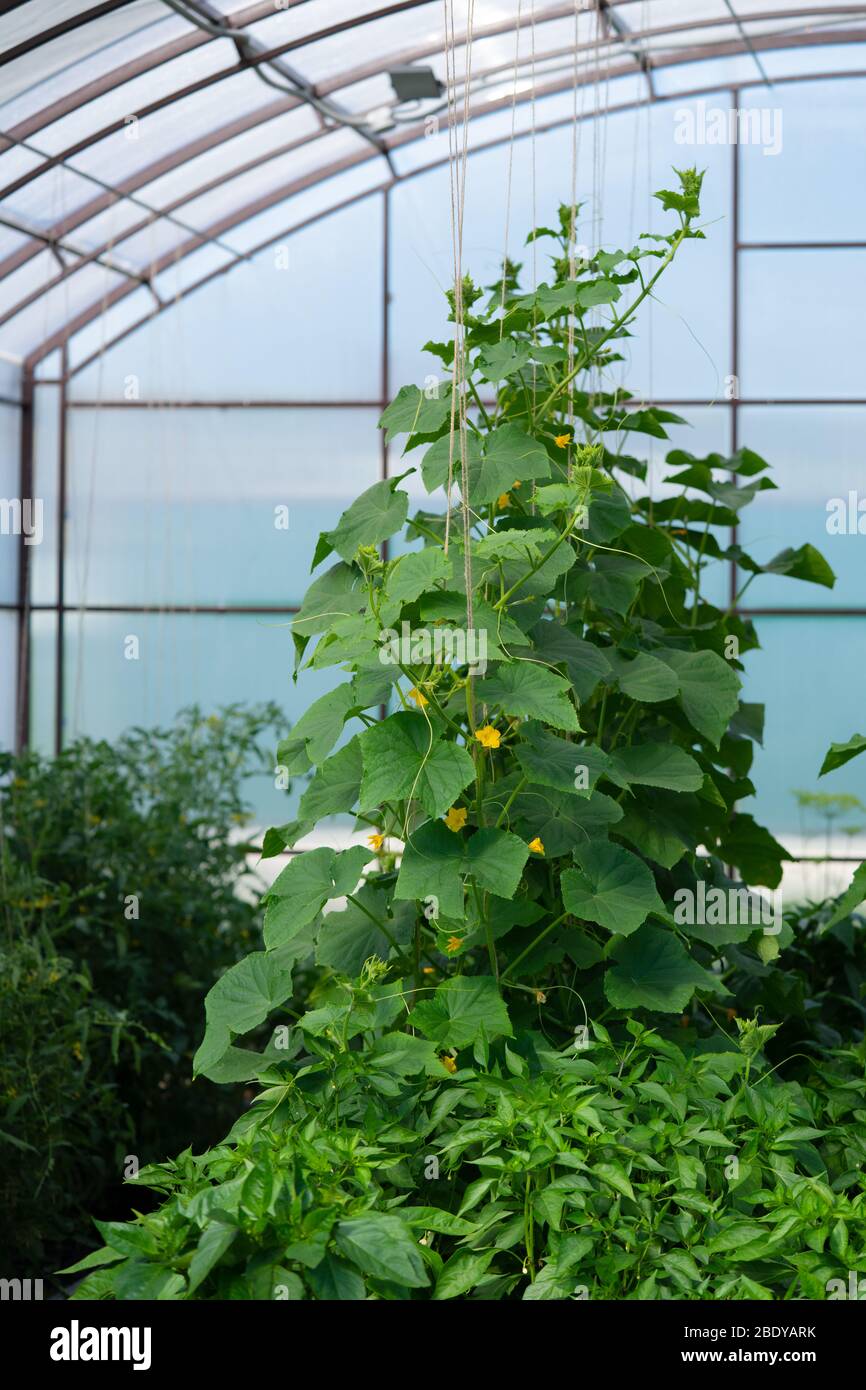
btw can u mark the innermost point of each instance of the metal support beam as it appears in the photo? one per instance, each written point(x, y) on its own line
point(22, 703)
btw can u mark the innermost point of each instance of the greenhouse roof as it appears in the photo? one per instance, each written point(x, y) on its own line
point(147, 146)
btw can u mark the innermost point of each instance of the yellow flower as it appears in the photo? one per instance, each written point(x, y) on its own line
point(448, 1063)
point(503, 501)
point(562, 441)
point(453, 944)
point(516, 483)
point(375, 841)
point(76, 1050)
point(488, 737)
point(419, 698)
point(456, 818)
point(536, 845)
point(428, 970)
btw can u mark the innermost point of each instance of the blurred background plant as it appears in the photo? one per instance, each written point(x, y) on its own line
point(121, 902)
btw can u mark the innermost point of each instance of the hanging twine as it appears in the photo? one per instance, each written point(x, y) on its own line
point(457, 162)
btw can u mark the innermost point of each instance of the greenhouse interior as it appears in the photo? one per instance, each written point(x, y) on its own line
point(432, 833)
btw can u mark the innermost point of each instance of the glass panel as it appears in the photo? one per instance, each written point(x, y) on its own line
point(822, 155)
point(283, 317)
point(10, 492)
point(157, 514)
point(8, 675)
point(188, 270)
point(183, 659)
point(781, 294)
point(817, 459)
point(46, 452)
point(807, 709)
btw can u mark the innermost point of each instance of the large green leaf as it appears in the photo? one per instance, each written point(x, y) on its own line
point(496, 858)
point(655, 765)
point(336, 785)
point(413, 412)
point(240, 1000)
point(430, 868)
point(317, 730)
point(839, 754)
point(308, 881)
point(524, 688)
point(654, 971)
point(804, 563)
point(854, 895)
point(585, 663)
point(754, 851)
point(611, 886)
point(372, 518)
point(510, 455)
point(709, 690)
point(461, 1010)
point(346, 939)
point(411, 576)
point(338, 593)
point(549, 761)
point(381, 1245)
point(404, 759)
point(561, 819)
point(645, 678)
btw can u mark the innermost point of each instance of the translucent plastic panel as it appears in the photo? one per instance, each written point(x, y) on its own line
point(28, 329)
point(10, 491)
point(230, 154)
point(46, 453)
point(26, 21)
point(173, 127)
point(206, 506)
point(241, 192)
point(817, 459)
point(73, 60)
point(682, 349)
point(15, 161)
point(108, 227)
point(28, 279)
point(815, 188)
point(43, 667)
point(134, 308)
point(264, 332)
point(10, 377)
point(809, 673)
point(49, 197)
point(790, 302)
point(8, 675)
point(311, 204)
point(124, 101)
point(183, 659)
point(180, 274)
point(432, 147)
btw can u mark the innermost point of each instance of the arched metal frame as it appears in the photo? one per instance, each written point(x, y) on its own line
point(109, 195)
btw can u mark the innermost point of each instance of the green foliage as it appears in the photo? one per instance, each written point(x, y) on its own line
point(119, 869)
point(573, 768)
point(628, 1170)
point(564, 733)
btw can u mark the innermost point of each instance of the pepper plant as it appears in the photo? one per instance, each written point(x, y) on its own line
point(565, 746)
